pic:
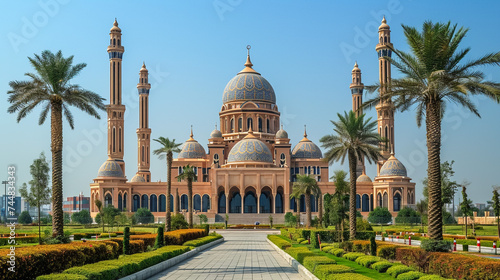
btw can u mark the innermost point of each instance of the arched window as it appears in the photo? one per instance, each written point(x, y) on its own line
point(282, 160)
point(249, 123)
point(108, 200)
point(137, 203)
point(379, 200)
point(144, 201)
point(260, 124)
point(240, 124)
point(118, 42)
point(268, 126)
point(222, 203)
point(365, 203)
point(114, 139)
point(232, 125)
point(184, 202)
point(408, 201)
point(371, 202)
point(205, 203)
point(120, 139)
point(250, 202)
point(293, 205)
point(314, 204)
point(124, 205)
point(114, 41)
point(142, 154)
point(265, 202)
point(171, 203)
point(358, 201)
point(385, 200)
point(235, 203)
point(197, 202)
point(163, 203)
point(216, 159)
point(120, 201)
point(153, 203)
point(397, 202)
point(302, 203)
point(278, 203)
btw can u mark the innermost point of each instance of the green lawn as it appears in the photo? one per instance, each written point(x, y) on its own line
point(487, 230)
point(21, 229)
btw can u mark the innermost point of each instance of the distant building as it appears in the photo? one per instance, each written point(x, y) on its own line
point(45, 210)
point(480, 206)
point(76, 203)
point(16, 204)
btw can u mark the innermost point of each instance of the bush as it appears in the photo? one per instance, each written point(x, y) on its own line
point(178, 237)
point(137, 246)
point(312, 262)
point(395, 270)
point(203, 240)
point(361, 246)
point(381, 266)
point(126, 241)
point(463, 266)
point(280, 242)
point(299, 253)
point(431, 245)
point(144, 216)
point(305, 242)
point(380, 215)
point(347, 276)
point(337, 252)
point(431, 277)
point(160, 240)
point(410, 275)
point(366, 261)
point(24, 218)
point(353, 256)
point(290, 219)
point(346, 245)
point(322, 271)
point(178, 222)
point(373, 246)
point(387, 251)
point(60, 276)
point(300, 239)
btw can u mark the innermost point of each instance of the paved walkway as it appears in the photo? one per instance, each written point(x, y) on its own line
point(244, 255)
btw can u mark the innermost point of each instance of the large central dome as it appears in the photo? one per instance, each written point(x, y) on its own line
point(248, 85)
point(250, 149)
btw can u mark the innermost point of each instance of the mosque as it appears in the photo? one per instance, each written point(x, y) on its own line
point(249, 169)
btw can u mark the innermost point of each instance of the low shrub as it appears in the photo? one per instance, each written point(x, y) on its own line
point(20, 240)
point(432, 277)
point(327, 248)
point(280, 242)
point(300, 239)
point(337, 252)
point(305, 242)
point(313, 261)
point(431, 245)
point(361, 246)
point(108, 235)
point(299, 253)
point(463, 266)
point(346, 245)
point(178, 237)
point(205, 240)
point(395, 270)
point(137, 246)
point(60, 276)
point(387, 251)
point(410, 275)
point(366, 261)
point(381, 266)
point(347, 276)
point(353, 256)
point(322, 271)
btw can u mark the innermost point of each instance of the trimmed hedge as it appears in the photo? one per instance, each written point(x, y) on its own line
point(432, 277)
point(463, 266)
point(347, 276)
point(361, 246)
point(313, 261)
point(61, 276)
point(203, 240)
point(324, 270)
point(280, 242)
point(178, 237)
point(382, 266)
point(410, 275)
point(20, 240)
point(387, 251)
point(300, 239)
point(305, 242)
point(366, 261)
point(337, 252)
point(353, 256)
point(299, 253)
point(395, 270)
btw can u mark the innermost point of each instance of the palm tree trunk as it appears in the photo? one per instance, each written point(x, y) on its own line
point(320, 209)
point(298, 211)
point(176, 202)
point(190, 201)
point(352, 196)
point(308, 209)
point(433, 127)
point(56, 135)
point(168, 219)
point(465, 227)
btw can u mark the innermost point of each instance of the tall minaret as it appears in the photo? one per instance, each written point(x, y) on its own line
point(357, 99)
point(115, 109)
point(143, 132)
point(385, 110)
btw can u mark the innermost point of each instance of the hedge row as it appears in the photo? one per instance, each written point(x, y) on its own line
point(328, 235)
point(202, 241)
point(19, 240)
point(178, 237)
point(280, 242)
point(114, 269)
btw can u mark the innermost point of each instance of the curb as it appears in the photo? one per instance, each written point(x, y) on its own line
point(157, 268)
point(304, 272)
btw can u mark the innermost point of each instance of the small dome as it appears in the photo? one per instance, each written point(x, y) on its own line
point(281, 133)
point(216, 133)
point(393, 167)
point(143, 68)
point(250, 149)
point(192, 149)
point(115, 27)
point(138, 178)
point(384, 24)
point(356, 68)
point(306, 149)
point(110, 168)
point(363, 178)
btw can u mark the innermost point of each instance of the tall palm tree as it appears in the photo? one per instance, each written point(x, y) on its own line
point(189, 175)
point(355, 138)
point(167, 150)
point(307, 186)
point(50, 87)
point(435, 74)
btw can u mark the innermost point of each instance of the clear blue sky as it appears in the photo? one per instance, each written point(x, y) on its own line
point(306, 50)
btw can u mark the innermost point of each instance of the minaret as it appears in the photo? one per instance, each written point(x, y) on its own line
point(143, 132)
point(385, 109)
point(357, 99)
point(115, 109)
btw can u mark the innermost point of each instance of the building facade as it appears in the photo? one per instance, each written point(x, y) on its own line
point(76, 203)
point(249, 167)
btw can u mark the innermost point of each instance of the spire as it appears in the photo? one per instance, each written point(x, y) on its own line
point(305, 136)
point(248, 64)
point(384, 24)
point(115, 23)
point(191, 135)
point(383, 20)
point(305, 131)
point(143, 68)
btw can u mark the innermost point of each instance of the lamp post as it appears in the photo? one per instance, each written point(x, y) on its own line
point(5, 201)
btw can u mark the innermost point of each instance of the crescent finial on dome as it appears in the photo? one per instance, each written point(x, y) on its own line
point(248, 64)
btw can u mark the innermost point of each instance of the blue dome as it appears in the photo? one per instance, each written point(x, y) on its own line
point(393, 167)
point(248, 86)
point(250, 149)
point(192, 149)
point(306, 149)
point(110, 168)
point(138, 178)
point(363, 178)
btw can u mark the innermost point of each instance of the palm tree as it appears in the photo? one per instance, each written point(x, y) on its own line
point(355, 138)
point(189, 175)
point(100, 208)
point(50, 86)
point(307, 186)
point(168, 148)
point(434, 74)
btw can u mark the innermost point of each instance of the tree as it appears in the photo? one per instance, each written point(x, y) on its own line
point(448, 187)
point(66, 218)
point(290, 219)
point(178, 222)
point(24, 218)
point(434, 75)
point(407, 216)
point(203, 218)
point(327, 202)
point(357, 139)
point(39, 193)
point(307, 186)
point(465, 207)
point(296, 194)
point(50, 86)
point(422, 211)
point(144, 216)
point(340, 201)
point(496, 208)
point(380, 215)
point(168, 148)
point(109, 215)
point(100, 208)
point(81, 217)
point(189, 175)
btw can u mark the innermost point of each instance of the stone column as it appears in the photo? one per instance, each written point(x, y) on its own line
point(176, 202)
point(227, 203)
